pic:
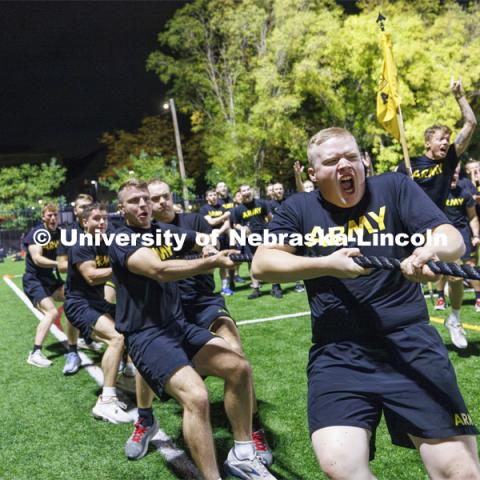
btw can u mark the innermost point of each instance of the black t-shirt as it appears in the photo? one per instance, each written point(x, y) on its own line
point(198, 285)
point(434, 176)
point(141, 301)
point(44, 275)
point(275, 205)
point(115, 222)
point(362, 309)
point(226, 203)
point(213, 211)
point(459, 199)
point(252, 215)
point(75, 226)
point(77, 286)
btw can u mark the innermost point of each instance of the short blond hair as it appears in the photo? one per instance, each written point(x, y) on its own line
point(83, 196)
point(131, 183)
point(324, 135)
point(50, 207)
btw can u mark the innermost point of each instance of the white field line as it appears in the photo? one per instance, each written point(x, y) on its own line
point(299, 314)
point(271, 319)
point(178, 459)
point(94, 371)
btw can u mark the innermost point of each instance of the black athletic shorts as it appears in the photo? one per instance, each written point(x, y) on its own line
point(36, 290)
point(203, 311)
point(411, 381)
point(83, 314)
point(159, 352)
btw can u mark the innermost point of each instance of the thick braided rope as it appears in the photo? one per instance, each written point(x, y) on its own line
point(384, 263)
point(439, 268)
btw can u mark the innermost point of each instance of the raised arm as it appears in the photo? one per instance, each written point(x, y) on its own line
point(469, 121)
point(297, 170)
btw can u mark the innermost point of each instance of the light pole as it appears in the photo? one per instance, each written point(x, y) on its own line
point(171, 105)
point(95, 186)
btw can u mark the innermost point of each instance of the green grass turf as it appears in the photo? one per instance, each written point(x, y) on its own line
point(48, 431)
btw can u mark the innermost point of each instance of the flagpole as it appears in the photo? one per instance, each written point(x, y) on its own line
point(401, 129)
point(403, 142)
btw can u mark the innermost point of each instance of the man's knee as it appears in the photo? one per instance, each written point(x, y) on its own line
point(336, 463)
point(343, 452)
point(240, 369)
point(467, 471)
point(116, 340)
point(196, 400)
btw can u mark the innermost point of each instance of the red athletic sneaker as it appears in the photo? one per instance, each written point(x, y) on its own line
point(58, 319)
point(440, 305)
point(477, 305)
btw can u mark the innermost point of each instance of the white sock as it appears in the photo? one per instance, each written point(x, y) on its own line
point(456, 314)
point(225, 283)
point(244, 450)
point(109, 392)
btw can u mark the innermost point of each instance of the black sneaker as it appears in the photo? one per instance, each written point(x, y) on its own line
point(255, 294)
point(276, 292)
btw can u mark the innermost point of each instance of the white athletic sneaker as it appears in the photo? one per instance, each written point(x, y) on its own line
point(111, 410)
point(246, 469)
point(94, 346)
point(38, 359)
point(457, 333)
point(129, 370)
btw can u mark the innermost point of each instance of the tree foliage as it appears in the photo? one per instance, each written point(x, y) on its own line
point(258, 77)
point(25, 188)
point(154, 137)
point(149, 151)
point(146, 167)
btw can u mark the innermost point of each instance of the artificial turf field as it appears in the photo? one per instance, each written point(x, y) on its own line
point(48, 431)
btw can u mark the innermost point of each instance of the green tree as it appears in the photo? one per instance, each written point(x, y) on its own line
point(25, 188)
point(146, 167)
point(154, 137)
point(258, 77)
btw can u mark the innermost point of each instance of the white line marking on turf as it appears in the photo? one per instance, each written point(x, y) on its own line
point(162, 442)
point(271, 319)
point(94, 371)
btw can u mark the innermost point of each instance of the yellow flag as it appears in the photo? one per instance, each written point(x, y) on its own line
point(388, 99)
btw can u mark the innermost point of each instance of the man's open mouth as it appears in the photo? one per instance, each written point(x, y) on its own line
point(347, 184)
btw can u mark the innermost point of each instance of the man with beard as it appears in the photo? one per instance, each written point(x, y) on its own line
point(202, 307)
point(168, 352)
point(252, 216)
point(218, 218)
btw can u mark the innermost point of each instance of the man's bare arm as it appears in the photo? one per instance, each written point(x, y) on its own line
point(36, 252)
point(62, 261)
point(278, 264)
point(145, 262)
point(298, 169)
point(463, 138)
point(93, 275)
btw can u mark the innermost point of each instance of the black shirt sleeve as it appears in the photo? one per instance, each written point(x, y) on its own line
point(417, 211)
